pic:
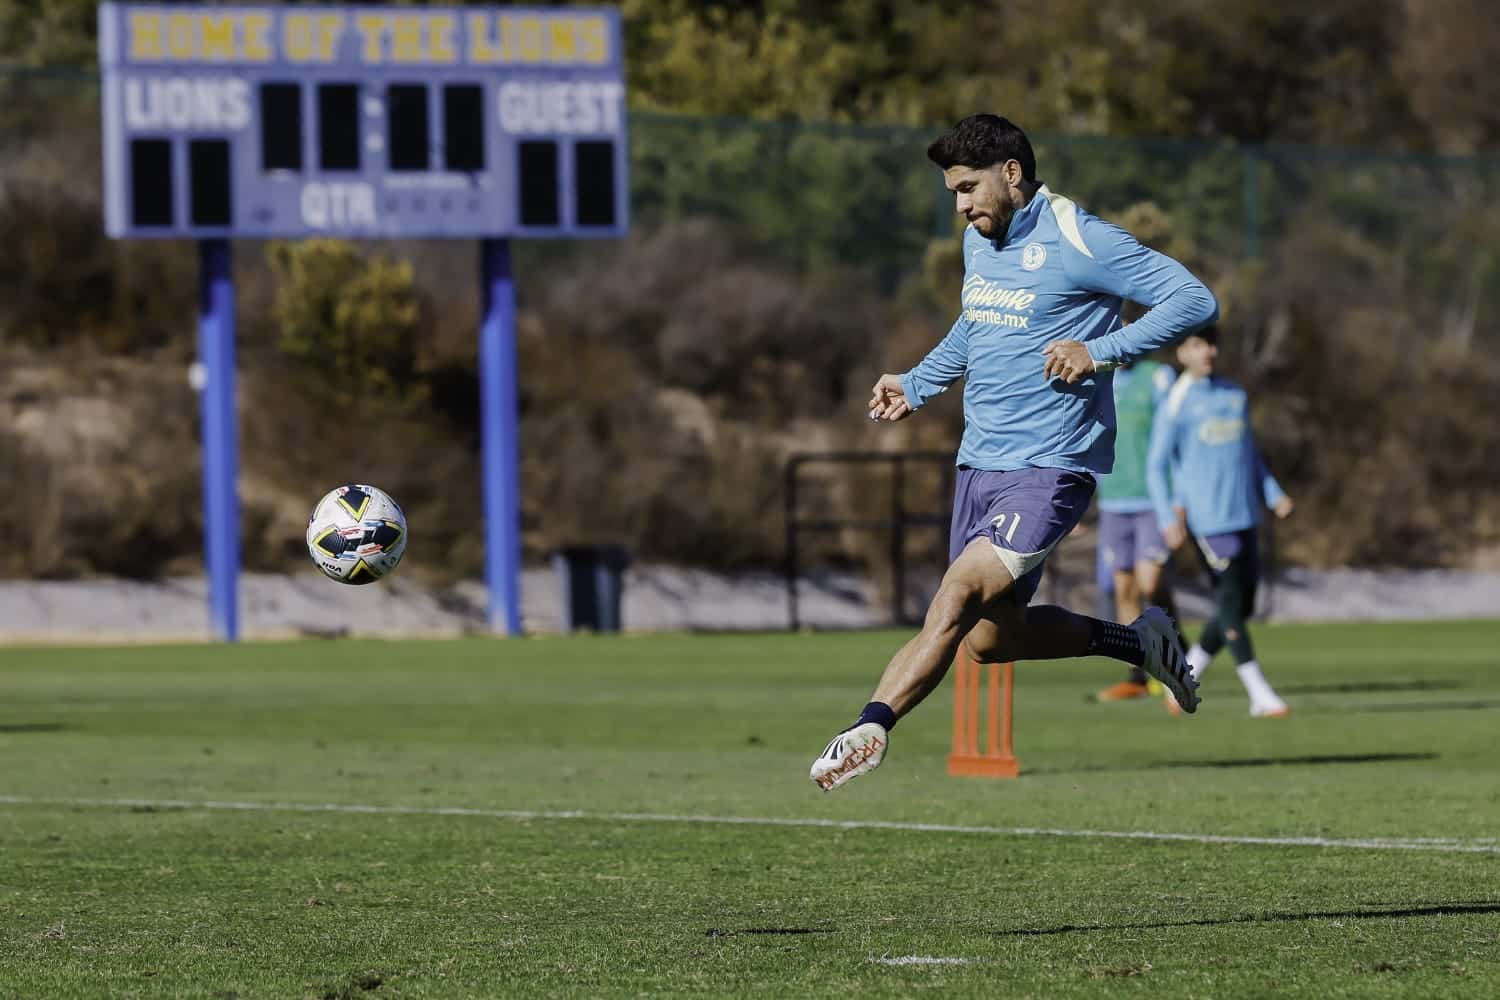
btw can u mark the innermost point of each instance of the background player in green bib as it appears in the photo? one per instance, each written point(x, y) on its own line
point(1131, 548)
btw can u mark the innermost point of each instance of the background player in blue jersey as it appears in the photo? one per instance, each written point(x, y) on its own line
point(1208, 480)
point(1132, 553)
point(1036, 343)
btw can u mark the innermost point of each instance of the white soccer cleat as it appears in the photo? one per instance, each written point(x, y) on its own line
point(1273, 709)
point(1164, 657)
point(851, 753)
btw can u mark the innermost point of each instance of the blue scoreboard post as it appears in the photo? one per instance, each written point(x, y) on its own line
point(462, 122)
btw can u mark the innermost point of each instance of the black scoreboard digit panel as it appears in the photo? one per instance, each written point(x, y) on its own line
point(223, 121)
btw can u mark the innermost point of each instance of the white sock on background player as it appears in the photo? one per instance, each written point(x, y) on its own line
point(1198, 659)
point(1263, 697)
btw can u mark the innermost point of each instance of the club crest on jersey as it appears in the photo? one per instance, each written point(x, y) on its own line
point(1033, 256)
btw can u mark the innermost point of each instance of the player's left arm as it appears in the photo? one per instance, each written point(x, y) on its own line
point(1108, 259)
point(1276, 498)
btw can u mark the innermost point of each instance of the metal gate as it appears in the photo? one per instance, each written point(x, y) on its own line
point(897, 522)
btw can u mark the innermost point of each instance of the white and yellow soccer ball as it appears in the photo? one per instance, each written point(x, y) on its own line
point(357, 534)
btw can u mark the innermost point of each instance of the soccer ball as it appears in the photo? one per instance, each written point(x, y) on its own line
point(357, 534)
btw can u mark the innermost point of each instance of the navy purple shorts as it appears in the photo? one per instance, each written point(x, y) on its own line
point(1023, 514)
point(1129, 538)
point(1233, 551)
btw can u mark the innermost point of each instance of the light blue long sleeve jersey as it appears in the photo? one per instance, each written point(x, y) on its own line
point(1058, 274)
point(1203, 455)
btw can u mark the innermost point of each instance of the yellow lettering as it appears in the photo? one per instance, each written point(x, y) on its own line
point(180, 36)
point(440, 39)
point(145, 35)
point(529, 39)
point(595, 39)
point(564, 42)
point(256, 27)
point(218, 37)
point(406, 38)
point(296, 37)
point(370, 28)
point(330, 27)
point(482, 48)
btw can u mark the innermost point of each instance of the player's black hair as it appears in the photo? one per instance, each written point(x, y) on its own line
point(1209, 333)
point(981, 141)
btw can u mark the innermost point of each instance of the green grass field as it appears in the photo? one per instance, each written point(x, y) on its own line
point(554, 817)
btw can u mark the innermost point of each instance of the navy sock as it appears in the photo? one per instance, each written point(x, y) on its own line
point(879, 712)
point(1115, 641)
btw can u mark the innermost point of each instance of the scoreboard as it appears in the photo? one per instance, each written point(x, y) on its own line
point(363, 122)
point(222, 122)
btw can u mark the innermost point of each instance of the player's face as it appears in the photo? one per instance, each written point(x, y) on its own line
point(1197, 356)
point(986, 197)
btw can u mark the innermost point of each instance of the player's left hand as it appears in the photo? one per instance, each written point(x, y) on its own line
point(1068, 360)
point(1283, 508)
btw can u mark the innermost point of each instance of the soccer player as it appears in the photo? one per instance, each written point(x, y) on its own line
point(1036, 343)
point(1203, 455)
point(1132, 551)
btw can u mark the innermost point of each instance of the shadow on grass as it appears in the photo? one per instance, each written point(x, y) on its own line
point(717, 932)
point(1315, 759)
point(1370, 687)
point(32, 727)
point(1477, 705)
point(1443, 910)
point(1232, 762)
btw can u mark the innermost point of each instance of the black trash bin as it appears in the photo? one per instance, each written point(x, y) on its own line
point(592, 579)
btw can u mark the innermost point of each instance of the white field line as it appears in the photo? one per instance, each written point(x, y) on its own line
point(919, 960)
point(1439, 845)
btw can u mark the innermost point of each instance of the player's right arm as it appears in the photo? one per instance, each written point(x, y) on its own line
point(936, 372)
point(1159, 460)
point(1162, 378)
point(898, 396)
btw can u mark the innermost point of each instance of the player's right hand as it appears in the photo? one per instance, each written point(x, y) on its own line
point(888, 399)
point(1175, 535)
